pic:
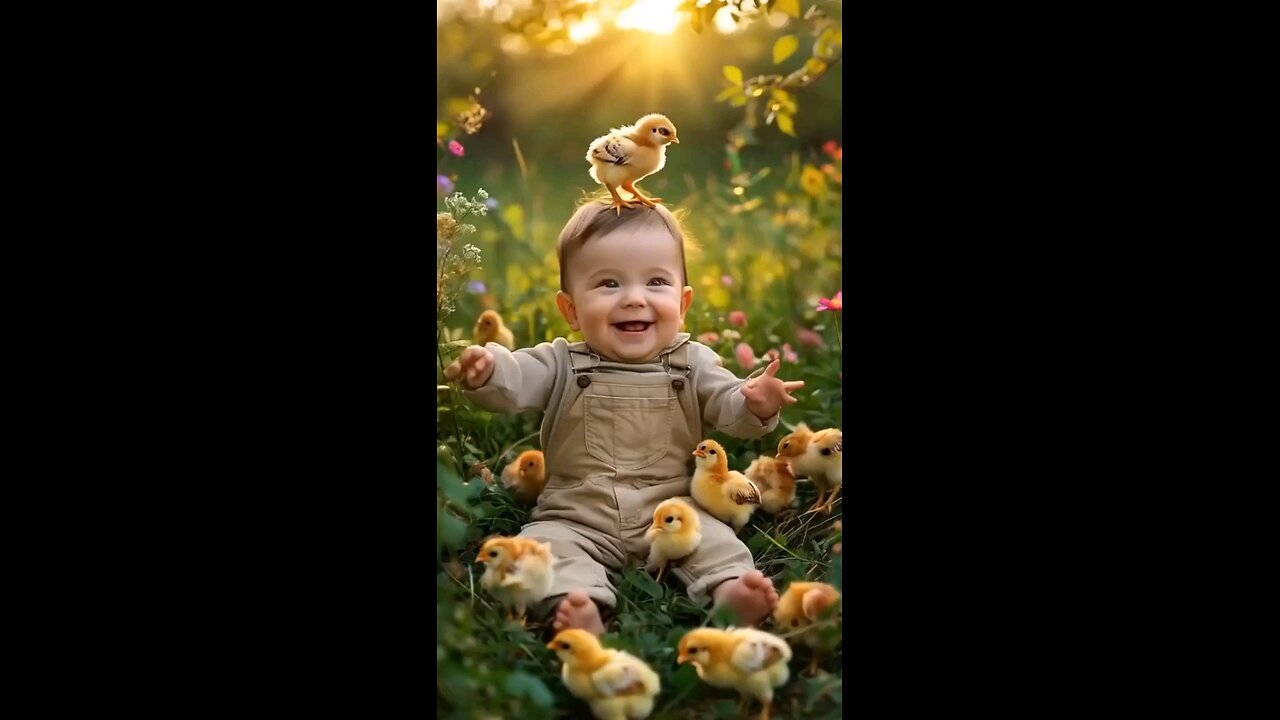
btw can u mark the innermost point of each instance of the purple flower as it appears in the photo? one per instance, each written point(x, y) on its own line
point(491, 203)
point(444, 183)
point(476, 286)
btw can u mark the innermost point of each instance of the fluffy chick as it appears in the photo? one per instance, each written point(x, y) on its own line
point(630, 153)
point(489, 328)
point(517, 572)
point(817, 456)
point(526, 475)
point(615, 684)
point(726, 494)
point(776, 481)
point(749, 661)
point(675, 533)
point(801, 606)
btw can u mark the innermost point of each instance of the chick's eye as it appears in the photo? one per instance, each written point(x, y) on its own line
point(713, 452)
point(564, 646)
point(670, 519)
point(826, 451)
point(795, 623)
point(786, 444)
point(493, 553)
point(664, 131)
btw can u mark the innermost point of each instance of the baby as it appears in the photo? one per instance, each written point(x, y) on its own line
point(624, 411)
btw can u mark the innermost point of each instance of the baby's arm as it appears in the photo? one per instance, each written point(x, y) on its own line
point(504, 381)
point(724, 402)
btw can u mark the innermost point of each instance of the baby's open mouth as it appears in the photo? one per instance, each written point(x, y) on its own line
point(635, 326)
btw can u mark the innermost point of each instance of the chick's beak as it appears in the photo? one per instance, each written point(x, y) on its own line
point(699, 453)
point(682, 659)
point(551, 645)
point(675, 139)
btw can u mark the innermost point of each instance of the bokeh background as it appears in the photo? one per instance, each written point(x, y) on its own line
point(523, 87)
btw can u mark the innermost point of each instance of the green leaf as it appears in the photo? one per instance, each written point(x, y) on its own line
point(646, 583)
point(790, 7)
point(734, 74)
point(785, 48)
point(522, 684)
point(450, 531)
point(785, 124)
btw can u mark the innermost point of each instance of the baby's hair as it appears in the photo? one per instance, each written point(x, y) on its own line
point(594, 218)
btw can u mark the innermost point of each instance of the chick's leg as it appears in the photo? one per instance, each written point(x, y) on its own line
point(818, 503)
point(630, 186)
point(764, 712)
point(831, 503)
point(660, 571)
point(618, 203)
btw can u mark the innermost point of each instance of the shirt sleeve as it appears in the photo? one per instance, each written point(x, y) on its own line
point(724, 407)
point(521, 380)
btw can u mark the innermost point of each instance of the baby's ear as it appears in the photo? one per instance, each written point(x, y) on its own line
point(568, 310)
point(686, 301)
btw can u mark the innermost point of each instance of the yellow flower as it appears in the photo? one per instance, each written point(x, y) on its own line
point(812, 181)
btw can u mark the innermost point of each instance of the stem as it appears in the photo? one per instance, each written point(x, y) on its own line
point(839, 342)
point(457, 432)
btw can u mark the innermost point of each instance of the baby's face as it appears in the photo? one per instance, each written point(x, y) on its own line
point(625, 293)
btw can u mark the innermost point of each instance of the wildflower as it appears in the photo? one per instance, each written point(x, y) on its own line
point(444, 183)
point(835, 303)
point(739, 318)
point(477, 287)
point(746, 356)
point(829, 147)
point(456, 148)
point(491, 203)
point(812, 181)
point(446, 226)
point(726, 280)
point(809, 338)
point(709, 337)
point(770, 355)
point(731, 334)
point(789, 354)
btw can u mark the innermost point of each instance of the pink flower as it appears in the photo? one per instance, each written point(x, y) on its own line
point(456, 148)
point(789, 355)
point(726, 280)
point(835, 303)
point(739, 318)
point(709, 337)
point(809, 338)
point(746, 356)
point(829, 147)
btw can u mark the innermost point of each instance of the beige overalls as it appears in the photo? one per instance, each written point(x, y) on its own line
point(618, 442)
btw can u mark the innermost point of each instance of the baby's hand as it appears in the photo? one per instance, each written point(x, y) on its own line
point(766, 395)
point(474, 366)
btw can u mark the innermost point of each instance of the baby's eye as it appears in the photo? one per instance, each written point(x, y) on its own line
point(608, 283)
point(658, 281)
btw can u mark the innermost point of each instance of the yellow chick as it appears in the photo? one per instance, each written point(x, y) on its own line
point(776, 481)
point(801, 606)
point(489, 328)
point(726, 494)
point(526, 475)
point(817, 456)
point(615, 684)
point(630, 153)
point(749, 661)
point(518, 572)
point(675, 533)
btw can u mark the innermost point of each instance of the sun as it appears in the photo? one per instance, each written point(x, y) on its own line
point(656, 16)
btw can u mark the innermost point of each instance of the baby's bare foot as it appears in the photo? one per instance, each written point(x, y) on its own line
point(577, 610)
point(752, 596)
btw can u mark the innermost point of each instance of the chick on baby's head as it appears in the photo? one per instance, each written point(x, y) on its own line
point(675, 515)
point(656, 129)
